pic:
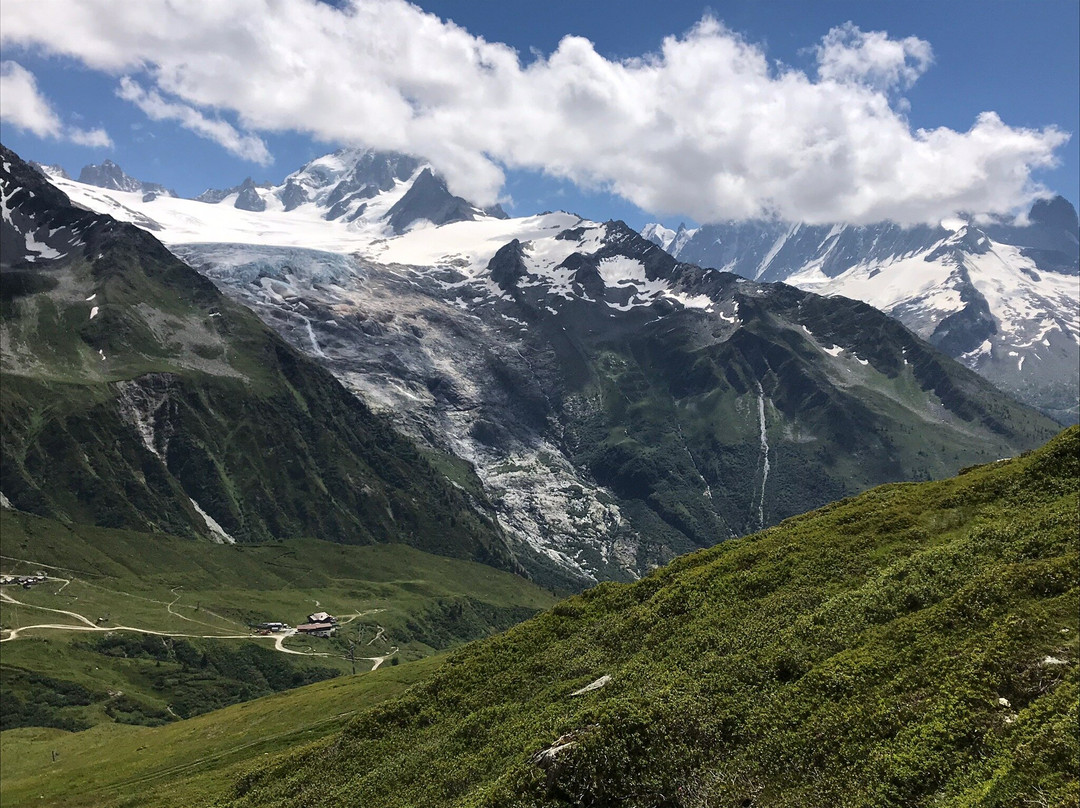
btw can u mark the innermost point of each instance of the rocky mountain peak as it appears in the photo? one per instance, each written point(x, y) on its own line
point(428, 198)
point(49, 170)
point(112, 177)
point(1056, 212)
point(248, 197)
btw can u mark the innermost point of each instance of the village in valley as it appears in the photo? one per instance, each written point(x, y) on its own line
point(25, 581)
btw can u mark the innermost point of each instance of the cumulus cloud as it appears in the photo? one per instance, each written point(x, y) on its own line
point(848, 54)
point(247, 147)
point(706, 127)
point(23, 106)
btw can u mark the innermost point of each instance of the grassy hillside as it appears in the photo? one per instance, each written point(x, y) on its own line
point(393, 601)
point(190, 763)
point(913, 646)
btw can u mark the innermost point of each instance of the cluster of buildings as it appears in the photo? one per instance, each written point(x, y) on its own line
point(319, 624)
point(25, 581)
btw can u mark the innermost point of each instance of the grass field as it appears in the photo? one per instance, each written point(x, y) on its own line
point(144, 629)
point(189, 763)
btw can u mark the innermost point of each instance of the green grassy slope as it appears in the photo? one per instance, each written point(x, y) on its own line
point(913, 646)
point(387, 596)
point(190, 763)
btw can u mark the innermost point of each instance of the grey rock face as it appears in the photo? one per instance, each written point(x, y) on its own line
point(214, 195)
point(293, 195)
point(1051, 240)
point(248, 197)
point(428, 198)
point(109, 175)
point(616, 404)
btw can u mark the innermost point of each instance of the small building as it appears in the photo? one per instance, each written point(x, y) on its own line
point(322, 617)
point(325, 629)
point(272, 626)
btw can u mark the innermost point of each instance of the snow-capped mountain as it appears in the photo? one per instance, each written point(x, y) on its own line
point(671, 240)
point(1002, 298)
point(618, 406)
point(358, 184)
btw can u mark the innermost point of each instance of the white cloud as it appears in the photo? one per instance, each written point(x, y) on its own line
point(94, 138)
point(847, 54)
point(23, 106)
point(247, 147)
point(705, 127)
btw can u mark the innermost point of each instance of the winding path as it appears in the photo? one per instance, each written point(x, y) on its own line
point(89, 625)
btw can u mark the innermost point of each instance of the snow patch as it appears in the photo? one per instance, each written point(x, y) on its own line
point(217, 532)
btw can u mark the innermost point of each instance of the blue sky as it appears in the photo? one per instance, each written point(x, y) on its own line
point(1018, 59)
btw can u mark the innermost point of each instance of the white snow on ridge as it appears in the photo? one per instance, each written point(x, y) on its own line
point(43, 250)
point(217, 532)
point(972, 357)
point(621, 270)
point(657, 232)
point(1025, 303)
point(885, 285)
point(1016, 297)
point(465, 245)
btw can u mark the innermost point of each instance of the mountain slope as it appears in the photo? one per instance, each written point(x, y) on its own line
point(999, 297)
point(136, 395)
point(913, 646)
point(619, 407)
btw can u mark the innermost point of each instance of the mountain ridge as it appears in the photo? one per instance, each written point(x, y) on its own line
point(583, 370)
point(613, 403)
point(1002, 298)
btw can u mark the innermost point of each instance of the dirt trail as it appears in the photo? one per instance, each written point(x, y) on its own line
point(378, 660)
point(6, 598)
point(89, 625)
point(174, 613)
